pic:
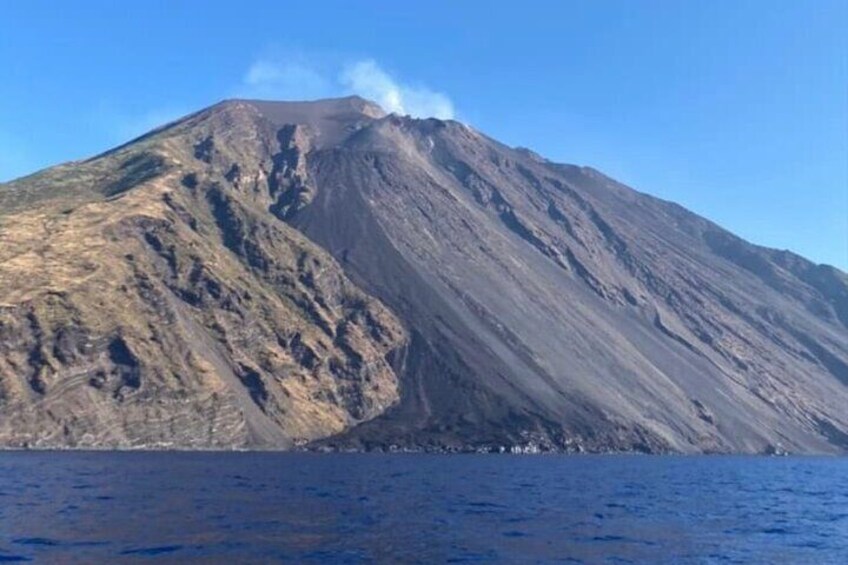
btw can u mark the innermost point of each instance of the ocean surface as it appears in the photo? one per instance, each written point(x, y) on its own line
point(105, 507)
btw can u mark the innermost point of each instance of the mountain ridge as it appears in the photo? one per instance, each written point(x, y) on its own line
point(481, 297)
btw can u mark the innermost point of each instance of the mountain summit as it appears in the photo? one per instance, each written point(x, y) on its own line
point(280, 274)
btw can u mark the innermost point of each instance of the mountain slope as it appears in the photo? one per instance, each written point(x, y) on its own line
point(147, 302)
point(266, 274)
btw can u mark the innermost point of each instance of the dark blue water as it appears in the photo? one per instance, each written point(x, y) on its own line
point(301, 508)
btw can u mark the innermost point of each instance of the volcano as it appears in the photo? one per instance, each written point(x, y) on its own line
point(323, 275)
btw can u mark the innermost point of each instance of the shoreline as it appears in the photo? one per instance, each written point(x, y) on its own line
point(402, 452)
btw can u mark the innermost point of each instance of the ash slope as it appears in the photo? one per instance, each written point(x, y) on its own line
point(275, 273)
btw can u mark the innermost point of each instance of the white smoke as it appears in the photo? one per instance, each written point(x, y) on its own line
point(298, 80)
point(292, 80)
point(368, 80)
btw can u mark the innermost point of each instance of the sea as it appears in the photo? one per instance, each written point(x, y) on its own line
point(197, 507)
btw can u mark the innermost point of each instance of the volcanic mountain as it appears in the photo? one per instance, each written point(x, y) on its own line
point(322, 274)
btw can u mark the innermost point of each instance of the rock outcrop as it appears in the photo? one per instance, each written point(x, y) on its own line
point(151, 298)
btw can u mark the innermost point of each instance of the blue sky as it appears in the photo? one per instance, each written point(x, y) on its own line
point(736, 109)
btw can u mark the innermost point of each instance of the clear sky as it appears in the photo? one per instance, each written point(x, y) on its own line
point(736, 109)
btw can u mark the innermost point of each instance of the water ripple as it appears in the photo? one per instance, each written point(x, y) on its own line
point(266, 507)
